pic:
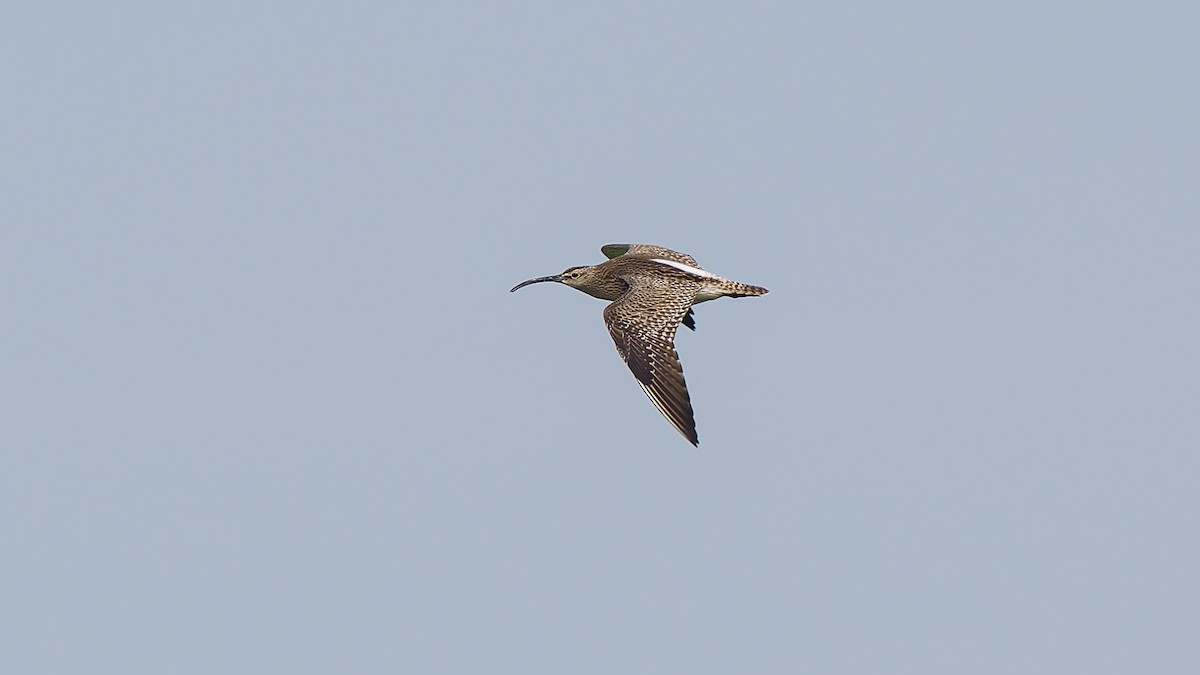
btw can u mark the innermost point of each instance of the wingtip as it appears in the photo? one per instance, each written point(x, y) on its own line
point(688, 431)
point(614, 250)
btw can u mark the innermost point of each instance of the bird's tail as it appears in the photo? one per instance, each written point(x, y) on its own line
point(739, 290)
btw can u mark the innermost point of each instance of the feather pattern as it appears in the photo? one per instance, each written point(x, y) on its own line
point(642, 324)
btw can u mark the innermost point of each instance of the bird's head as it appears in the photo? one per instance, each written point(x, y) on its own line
point(572, 276)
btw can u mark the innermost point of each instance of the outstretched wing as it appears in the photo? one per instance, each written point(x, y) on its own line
point(642, 324)
point(647, 251)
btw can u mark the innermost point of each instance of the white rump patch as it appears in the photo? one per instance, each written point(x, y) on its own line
point(687, 268)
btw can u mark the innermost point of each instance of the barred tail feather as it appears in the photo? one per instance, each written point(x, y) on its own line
point(741, 290)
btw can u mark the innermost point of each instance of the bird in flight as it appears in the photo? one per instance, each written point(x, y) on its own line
point(652, 290)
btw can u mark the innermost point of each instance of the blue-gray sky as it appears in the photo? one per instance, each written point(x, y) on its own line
point(269, 407)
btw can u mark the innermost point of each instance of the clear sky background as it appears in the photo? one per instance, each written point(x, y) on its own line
point(268, 406)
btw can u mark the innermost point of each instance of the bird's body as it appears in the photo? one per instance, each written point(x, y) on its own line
point(652, 290)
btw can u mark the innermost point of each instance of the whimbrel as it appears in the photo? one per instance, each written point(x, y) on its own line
point(652, 290)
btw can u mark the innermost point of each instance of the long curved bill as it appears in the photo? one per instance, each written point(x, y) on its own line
point(556, 277)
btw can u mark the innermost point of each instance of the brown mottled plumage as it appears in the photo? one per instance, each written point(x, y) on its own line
point(653, 290)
